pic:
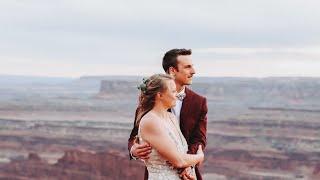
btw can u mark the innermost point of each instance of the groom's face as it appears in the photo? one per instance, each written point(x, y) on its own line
point(184, 71)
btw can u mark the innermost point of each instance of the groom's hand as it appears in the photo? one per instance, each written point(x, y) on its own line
point(200, 152)
point(141, 151)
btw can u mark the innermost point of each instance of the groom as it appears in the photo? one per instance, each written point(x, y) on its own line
point(190, 110)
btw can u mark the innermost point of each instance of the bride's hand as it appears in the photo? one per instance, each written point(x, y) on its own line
point(187, 174)
point(201, 154)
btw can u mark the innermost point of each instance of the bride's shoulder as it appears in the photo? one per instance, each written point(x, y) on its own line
point(149, 119)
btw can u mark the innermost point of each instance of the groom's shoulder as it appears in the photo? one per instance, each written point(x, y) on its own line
point(194, 94)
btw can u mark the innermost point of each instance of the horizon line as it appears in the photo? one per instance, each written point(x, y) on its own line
point(197, 76)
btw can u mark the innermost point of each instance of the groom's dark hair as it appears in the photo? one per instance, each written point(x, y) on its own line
point(170, 58)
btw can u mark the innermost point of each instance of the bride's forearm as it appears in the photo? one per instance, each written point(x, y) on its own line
point(187, 160)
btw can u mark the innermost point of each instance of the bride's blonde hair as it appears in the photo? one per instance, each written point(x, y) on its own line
point(149, 89)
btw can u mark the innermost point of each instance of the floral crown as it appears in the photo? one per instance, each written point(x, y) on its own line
point(143, 86)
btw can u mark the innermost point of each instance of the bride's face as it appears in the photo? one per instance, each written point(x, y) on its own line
point(169, 95)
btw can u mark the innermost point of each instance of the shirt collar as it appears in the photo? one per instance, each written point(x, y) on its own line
point(183, 91)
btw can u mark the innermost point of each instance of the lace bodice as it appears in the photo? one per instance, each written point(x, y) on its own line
point(157, 166)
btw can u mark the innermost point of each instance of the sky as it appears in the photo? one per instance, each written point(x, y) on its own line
point(72, 38)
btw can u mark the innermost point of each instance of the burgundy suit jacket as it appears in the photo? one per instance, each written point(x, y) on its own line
point(193, 124)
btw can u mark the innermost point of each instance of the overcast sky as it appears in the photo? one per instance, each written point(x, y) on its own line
point(72, 38)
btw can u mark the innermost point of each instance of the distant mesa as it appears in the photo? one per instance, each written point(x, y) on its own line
point(267, 92)
point(112, 88)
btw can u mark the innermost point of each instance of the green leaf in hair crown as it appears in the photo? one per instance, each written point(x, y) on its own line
point(143, 86)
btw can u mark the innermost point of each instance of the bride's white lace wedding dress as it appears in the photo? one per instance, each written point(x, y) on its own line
point(157, 166)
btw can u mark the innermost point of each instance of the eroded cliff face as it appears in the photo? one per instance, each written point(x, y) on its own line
point(257, 164)
point(114, 164)
point(76, 164)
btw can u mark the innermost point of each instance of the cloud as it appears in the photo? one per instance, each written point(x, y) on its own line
point(280, 50)
point(110, 34)
point(253, 68)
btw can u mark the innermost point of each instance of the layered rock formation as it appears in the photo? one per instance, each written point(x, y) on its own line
point(257, 129)
point(78, 165)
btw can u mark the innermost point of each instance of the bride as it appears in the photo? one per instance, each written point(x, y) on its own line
point(160, 129)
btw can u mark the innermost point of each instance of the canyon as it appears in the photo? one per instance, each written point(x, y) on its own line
point(258, 128)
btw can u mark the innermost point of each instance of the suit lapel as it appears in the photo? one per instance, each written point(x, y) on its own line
point(184, 109)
